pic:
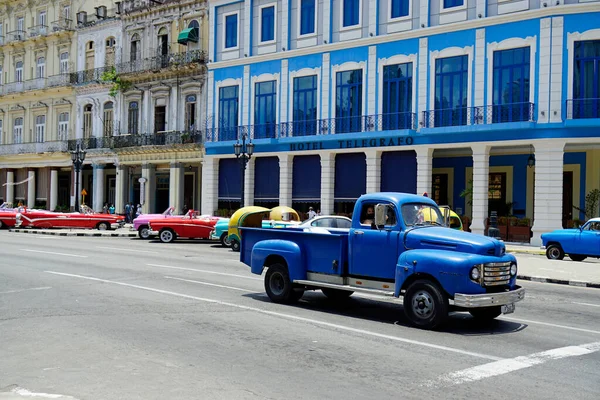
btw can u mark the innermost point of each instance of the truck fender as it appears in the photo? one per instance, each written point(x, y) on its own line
point(268, 251)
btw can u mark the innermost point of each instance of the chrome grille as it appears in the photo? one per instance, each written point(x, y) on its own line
point(495, 274)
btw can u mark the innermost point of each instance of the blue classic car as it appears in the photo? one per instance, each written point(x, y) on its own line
point(578, 243)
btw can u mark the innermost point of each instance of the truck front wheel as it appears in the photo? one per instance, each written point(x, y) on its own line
point(487, 313)
point(336, 294)
point(425, 305)
point(279, 287)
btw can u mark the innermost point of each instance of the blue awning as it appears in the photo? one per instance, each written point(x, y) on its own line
point(230, 179)
point(350, 176)
point(399, 171)
point(266, 178)
point(306, 174)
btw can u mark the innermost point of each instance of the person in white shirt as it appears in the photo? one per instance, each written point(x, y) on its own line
point(311, 213)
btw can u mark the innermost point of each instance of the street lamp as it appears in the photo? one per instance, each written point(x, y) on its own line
point(77, 156)
point(243, 151)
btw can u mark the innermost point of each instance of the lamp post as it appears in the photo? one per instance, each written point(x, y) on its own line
point(243, 151)
point(77, 156)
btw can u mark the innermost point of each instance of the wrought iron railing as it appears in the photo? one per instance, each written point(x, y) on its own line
point(38, 30)
point(62, 24)
point(34, 147)
point(58, 80)
point(34, 84)
point(156, 63)
point(157, 139)
point(13, 87)
point(89, 76)
point(583, 108)
point(130, 6)
point(15, 36)
point(93, 143)
point(493, 114)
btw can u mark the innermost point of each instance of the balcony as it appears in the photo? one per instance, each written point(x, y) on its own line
point(34, 148)
point(332, 126)
point(15, 36)
point(131, 6)
point(93, 143)
point(58, 80)
point(13, 87)
point(38, 30)
point(461, 116)
point(88, 76)
point(158, 139)
point(63, 24)
point(583, 108)
point(34, 84)
point(172, 60)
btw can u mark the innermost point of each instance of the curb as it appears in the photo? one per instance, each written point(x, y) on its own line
point(59, 233)
point(543, 279)
point(532, 252)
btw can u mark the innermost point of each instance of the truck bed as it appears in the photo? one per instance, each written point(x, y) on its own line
point(323, 253)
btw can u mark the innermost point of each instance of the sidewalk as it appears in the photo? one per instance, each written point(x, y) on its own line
point(518, 248)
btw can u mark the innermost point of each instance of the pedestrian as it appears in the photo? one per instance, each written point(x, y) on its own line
point(111, 209)
point(311, 213)
point(138, 212)
point(105, 208)
point(185, 209)
point(131, 211)
point(425, 194)
point(127, 213)
point(318, 213)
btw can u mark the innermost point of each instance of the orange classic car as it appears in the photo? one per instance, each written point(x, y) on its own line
point(191, 226)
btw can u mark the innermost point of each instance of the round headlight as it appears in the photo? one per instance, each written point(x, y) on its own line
point(475, 274)
point(513, 269)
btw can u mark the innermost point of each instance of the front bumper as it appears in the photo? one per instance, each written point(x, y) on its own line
point(489, 299)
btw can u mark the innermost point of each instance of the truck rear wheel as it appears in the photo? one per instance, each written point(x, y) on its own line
point(486, 313)
point(279, 287)
point(577, 257)
point(425, 305)
point(336, 294)
point(235, 245)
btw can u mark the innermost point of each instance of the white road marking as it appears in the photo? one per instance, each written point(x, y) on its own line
point(26, 290)
point(210, 284)
point(26, 393)
point(572, 328)
point(130, 250)
point(587, 304)
point(288, 316)
point(506, 366)
point(51, 252)
point(205, 271)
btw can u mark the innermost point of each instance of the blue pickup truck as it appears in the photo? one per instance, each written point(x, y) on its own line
point(391, 249)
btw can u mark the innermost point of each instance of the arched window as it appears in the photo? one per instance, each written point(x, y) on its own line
point(40, 128)
point(63, 126)
point(89, 55)
point(133, 117)
point(135, 50)
point(163, 42)
point(40, 70)
point(18, 130)
point(64, 62)
point(87, 121)
point(19, 71)
point(109, 52)
point(108, 118)
point(190, 113)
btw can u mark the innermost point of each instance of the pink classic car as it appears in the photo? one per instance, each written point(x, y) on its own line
point(140, 224)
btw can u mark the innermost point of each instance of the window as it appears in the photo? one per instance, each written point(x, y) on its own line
point(1, 76)
point(586, 79)
point(163, 42)
point(87, 121)
point(42, 18)
point(397, 96)
point(231, 31)
point(63, 126)
point(19, 71)
point(135, 51)
point(64, 63)
point(1, 133)
point(451, 82)
point(307, 17)
point(267, 24)
point(453, 3)
point(40, 128)
point(190, 113)
point(109, 52)
point(133, 117)
point(351, 12)
point(497, 193)
point(399, 8)
point(511, 85)
point(18, 131)
point(228, 112)
point(40, 70)
point(20, 24)
point(66, 12)
point(265, 111)
point(348, 101)
point(108, 118)
point(305, 105)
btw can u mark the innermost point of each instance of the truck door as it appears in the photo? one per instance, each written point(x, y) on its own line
point(373, 252)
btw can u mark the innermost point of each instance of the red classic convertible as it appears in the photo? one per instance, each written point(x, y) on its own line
point(86, 219)
point(190, 226)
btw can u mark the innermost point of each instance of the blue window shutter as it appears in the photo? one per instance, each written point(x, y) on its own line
point(266, 178)
point(230, 179)
point(228, 112)
point(307, 17)
point(267, 24)
point(305, 106)
point(348, 107)
point(265, 112)
point(451, 83)
point(397, 96)
point(399, 171)
point(586, 80)
point(231, 27)
point(351, 12)
point(306, 175)
point(350, 176)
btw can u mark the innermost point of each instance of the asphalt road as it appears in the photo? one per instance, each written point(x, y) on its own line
point(117, 318)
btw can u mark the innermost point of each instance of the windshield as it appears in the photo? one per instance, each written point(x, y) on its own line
point(421, 214)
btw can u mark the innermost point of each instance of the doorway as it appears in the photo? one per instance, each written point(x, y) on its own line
point(189, 188)
point(440, 189)
point(567, 200)
point(160, 118)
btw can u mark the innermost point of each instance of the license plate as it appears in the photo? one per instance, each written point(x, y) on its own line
point(508, 308)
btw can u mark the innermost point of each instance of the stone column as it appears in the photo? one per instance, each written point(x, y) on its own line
point(173, 125)
point(149, 172)
point(547, 207)
point(176, 187)
point(249, 184)
point(98, 187)
point(53, 189)
point(481, 177)
point(373, 171)
point(286, 168)
point(10, 188)
point(210, 185)
point(121, 188)
point(31, 189)
point(424, 170)
point(327, 182)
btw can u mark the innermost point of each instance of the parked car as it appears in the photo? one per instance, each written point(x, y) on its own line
point(220, 232)
point(85, 219)
point(327, 221)
point(578, 243)
point(140, 224)
point(191, 225)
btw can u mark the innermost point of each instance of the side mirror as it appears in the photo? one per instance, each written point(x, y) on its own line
point(381, 211)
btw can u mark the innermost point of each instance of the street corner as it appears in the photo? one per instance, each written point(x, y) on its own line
point(15, 392)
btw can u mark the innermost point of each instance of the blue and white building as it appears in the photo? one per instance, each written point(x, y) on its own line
point(345, 97)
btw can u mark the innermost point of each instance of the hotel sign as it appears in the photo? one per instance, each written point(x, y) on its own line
point(353, 143)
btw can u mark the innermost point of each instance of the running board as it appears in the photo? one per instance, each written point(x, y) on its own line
point(344, 287)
